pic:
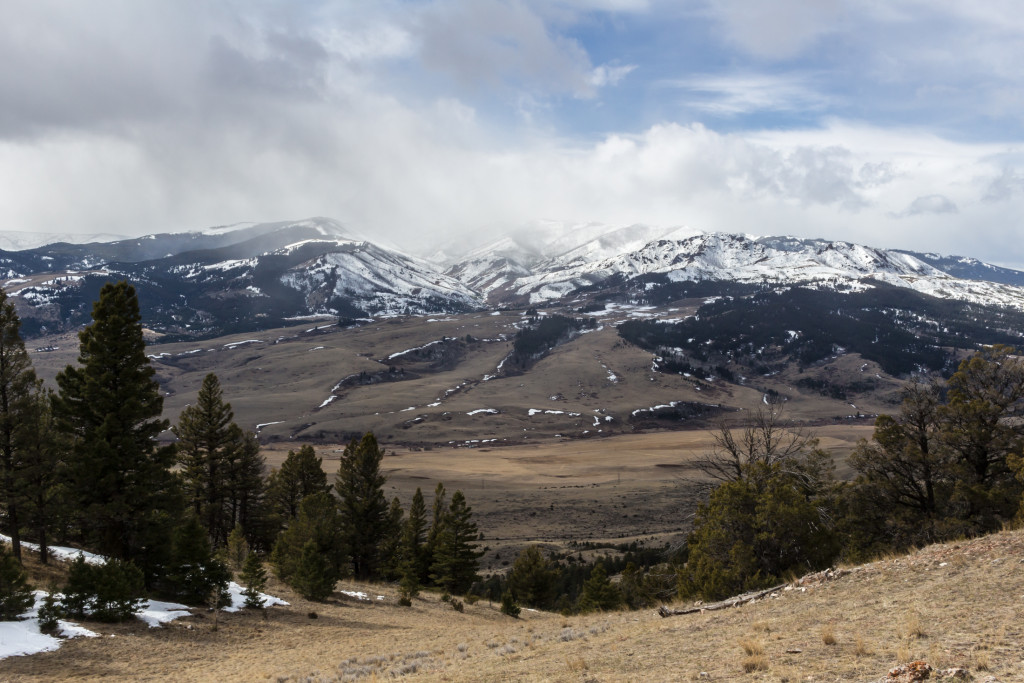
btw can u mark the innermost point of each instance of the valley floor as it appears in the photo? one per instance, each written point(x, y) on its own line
point(953, 605)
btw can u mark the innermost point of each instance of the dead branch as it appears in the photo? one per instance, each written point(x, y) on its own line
point(730, 602)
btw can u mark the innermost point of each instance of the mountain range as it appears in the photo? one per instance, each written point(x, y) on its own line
point(244, 277)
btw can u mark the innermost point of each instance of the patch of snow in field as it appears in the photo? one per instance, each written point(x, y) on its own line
point(360, 595)
point(24, 637)
point(440, 320)
point(238, 600)
point(317, 348)
point(406, 410)
point(496, 313)
point(415, 348)
point(267, 424)
point(488, 411)
point(327, 401)
point(434, 404)
point(157, 613)
point(233, 345)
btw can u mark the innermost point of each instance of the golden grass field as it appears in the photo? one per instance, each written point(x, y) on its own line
point(956, 604)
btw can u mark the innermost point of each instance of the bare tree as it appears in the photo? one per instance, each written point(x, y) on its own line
point(766, 438)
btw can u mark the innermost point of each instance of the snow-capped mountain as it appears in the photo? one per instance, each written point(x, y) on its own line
point(254, 275)
point(19, 240)
point(738, 258)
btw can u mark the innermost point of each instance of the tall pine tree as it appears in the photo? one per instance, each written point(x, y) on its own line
point(300, 475)
point(205, 450)
point(40, 488)
point(17, 380)
point(118, 476)
point(360, 486)
point(455, 555)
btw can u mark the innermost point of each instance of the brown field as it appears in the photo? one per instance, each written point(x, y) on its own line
point(616, 489)
point(957, 604)
point(278, 380)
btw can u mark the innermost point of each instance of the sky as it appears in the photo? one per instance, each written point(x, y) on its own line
point(892, 123)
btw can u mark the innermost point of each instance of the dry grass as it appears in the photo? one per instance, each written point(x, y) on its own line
point(861, 648)
point(828, 634)
point(755, 663)
point(752, 647)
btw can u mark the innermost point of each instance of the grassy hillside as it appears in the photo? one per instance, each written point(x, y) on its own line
point(952, 605)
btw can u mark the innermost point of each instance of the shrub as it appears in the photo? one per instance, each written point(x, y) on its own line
point(15, 593)
point(509, 606)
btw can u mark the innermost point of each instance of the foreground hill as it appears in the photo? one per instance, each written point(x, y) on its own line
point(954, 605)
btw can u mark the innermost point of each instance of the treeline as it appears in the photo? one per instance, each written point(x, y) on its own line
point(894, 327)
point(83, 466)
point(542, 334)
point(946, 466)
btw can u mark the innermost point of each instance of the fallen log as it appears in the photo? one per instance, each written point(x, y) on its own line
point(723, 604)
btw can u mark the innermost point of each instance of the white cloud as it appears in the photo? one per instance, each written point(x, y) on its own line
point(733, 94)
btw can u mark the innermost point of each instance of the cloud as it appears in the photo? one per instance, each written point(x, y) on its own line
point(929, 204)
point(732, 94)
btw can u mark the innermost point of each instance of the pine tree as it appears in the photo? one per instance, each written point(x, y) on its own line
point(17, 380)
point(118, 590)
point(360, 487)
point(204, 451)
point(314, 577)
point(455, 555)
point(237, 549)
point(301, 475)
point(319, 523)
point(532, 579)
point(440, 511)
point(194, 573)
point(119, 479)
point(411, 548)
point(248, 489)
point(391, 543)
point(40, 487)
point(599, 593)
point(254, 579)
point(15, 594)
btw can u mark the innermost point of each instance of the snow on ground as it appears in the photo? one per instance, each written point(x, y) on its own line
point(236, 344)
point(486, 411)
point(156, 613)
point(60, 552)
point(328, 401)
point(238, 600)
point(267, 424)
point(359, 595)
point(24, 638)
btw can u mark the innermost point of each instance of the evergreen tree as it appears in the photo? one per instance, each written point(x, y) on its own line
point(411, 548)
point(118, 590)
point(314, 575)
point(247, 489)
point(237, 549)
point(49, 612)
point(112, 591)
point(40, 487)
point(391, 543)
point(440, 511)
point(194, 573)
point(360, 487)
point(319, 523)
point(531, 580)
point(15, 594)
point(205, 453)
point(254, 580)
point(754, 530)
point(455, 555)
point(599, 593)
point(118, 477)
point(17, 380)
point(301, 475)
